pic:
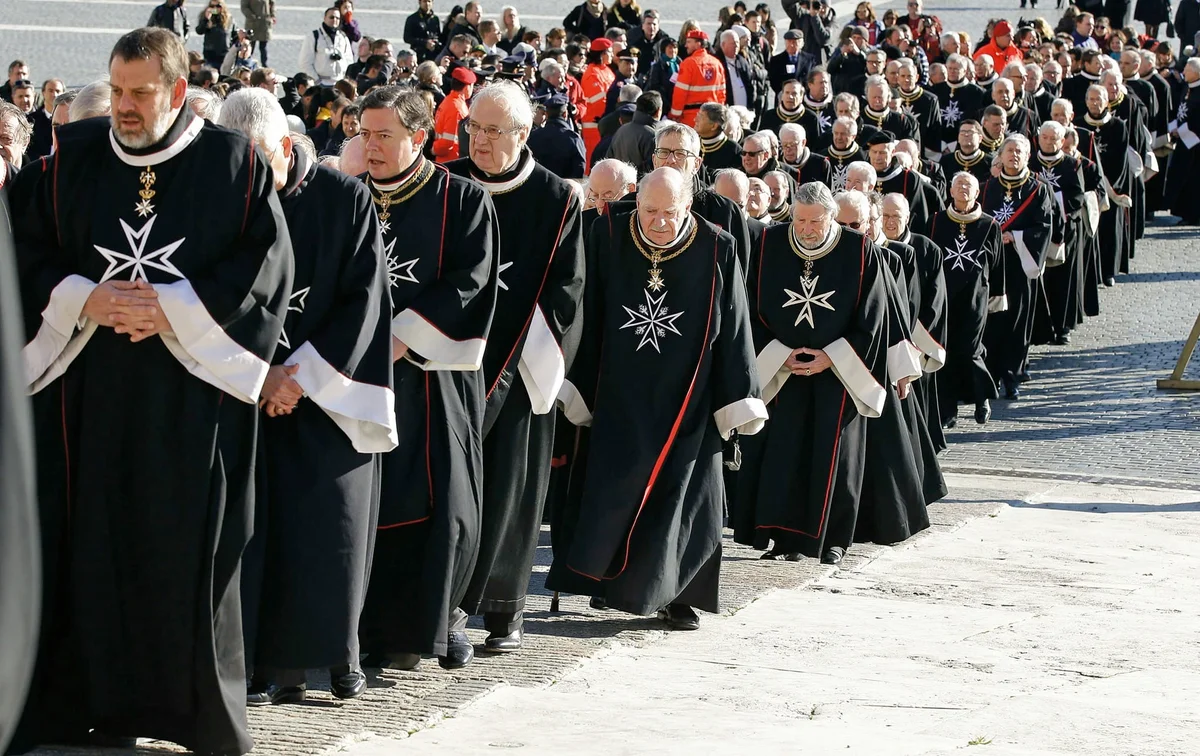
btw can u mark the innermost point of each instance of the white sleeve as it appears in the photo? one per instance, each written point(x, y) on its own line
point(366, 413)
point(63, 334)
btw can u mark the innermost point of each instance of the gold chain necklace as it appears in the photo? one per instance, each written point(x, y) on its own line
point(968, 163)
point(810, 257)
point(655, 256)
point(386, 200)
point(147, 180)
point(1013, 183)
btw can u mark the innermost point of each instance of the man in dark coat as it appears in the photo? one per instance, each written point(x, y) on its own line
point(556, 145)
point(634, 141)
point(792, 63)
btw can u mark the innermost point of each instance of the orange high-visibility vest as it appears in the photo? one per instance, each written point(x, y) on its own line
point(701, 79)
point(597, 78)
point(445, 126)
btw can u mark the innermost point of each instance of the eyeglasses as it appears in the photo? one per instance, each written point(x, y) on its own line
point(754, 153)
point(679, 155)
point(491, 132)
point(608, 196)
point(856, 225)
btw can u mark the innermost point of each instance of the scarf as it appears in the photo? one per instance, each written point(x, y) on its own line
point(818, 105)
point(970, 216)
point(1088, 119)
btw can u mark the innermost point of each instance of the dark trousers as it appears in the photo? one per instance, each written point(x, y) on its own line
point(262, 51)
point(503, 623)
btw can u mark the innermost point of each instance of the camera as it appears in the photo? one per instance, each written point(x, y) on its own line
point(333, 54)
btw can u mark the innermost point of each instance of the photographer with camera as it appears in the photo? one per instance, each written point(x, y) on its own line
point(812, 18)
point(423, 32)
point(327, 54)
point(219, 31)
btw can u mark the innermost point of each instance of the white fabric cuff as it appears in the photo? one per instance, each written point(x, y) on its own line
point(1189, 138)
point(904, 361)
point(63, 334)
point(935, 353)
point(1135, 161)
point(542, 366)
point(771, 371)
point(1031, 268)
point(998, 304)
point(574, 408)
point(203, 347)
point(866, 392)
point(439, 350)
point(746, 416)
point(365, 413)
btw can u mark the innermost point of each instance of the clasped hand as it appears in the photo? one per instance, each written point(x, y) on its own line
point(279, 392)
point(129, 307)
point(816, 361)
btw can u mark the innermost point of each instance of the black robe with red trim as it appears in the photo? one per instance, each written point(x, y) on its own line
point(1109, 147)
point(304, 578)
point(973, 265)
point(1063, 279)
point(534, 338)
point(1028, 212)
point(839, 164)
point(20, 569)
point(923, 199)
point(441, 246)
point(978, 165)
point(929, 328)
point(148, 500)
point(664, 373)
point(801, 478)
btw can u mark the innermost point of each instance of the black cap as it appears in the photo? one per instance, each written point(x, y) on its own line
point(881, 137)
point(792, 34)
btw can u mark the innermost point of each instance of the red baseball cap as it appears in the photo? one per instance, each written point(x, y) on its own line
point(600, 45)
point(1002, 29)
point(697, 34)
point(464, 74)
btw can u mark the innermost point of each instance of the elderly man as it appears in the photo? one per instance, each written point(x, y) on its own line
point(985, 71)
point(758, 199)
point(922, 105)
point(1018, 119)
point(860, 177)
point(1180, 192)
point(931, 170)
point(792, 63)
point(173, 317)
point(15, 133)
point(780, 186)
point(1113, 143)
point(819, 302)
point(1037, 98)
point(734, 186)
point(789, 107)
point(879, 117)
point(844, 151)
point(793, 143)
point(1127, 106)
point(1024, 207)
point(958, 97)
point(758, 156)
point(968, 155)
point(893, 176)
point(664, 374)
point(305, 573)
point(1063, 279)
point(609, 181)
point(716, 148)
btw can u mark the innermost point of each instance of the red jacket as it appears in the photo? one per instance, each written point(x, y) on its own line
point(701, 79)
point(445, 126)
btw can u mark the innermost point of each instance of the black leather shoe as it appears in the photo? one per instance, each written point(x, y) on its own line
point(680, 617)
point(503, 644)
point(459, 651)
point(346, 683)
point(833, 555)
point(950, 423)
point(781, 556)
point(1011, 390)
point(271, 694)
point(598, 603)
point(983, 412)
point(1110, 282)
point(1063, 339)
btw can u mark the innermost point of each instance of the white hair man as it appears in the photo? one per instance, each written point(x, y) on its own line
point(539, 306)
point(1031, 225)
point(336, 352)
point(878, 116)
point(821, 300)
point(1061, 280)
point(758, 199)
point(609, 181)
point(175, 315)
point(439, 233)
point(15, 134)
point(668, 274)
point(1121, 174)
point(923, 105)
point(1180, 193)
point(958, 97)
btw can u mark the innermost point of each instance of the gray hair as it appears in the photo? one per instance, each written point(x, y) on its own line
point(1059, 130)
point(740, 180)
point(625, 172)
point(547, 65)
point(304, 143)
point(794, 129)
point(762, 138)
point(716, 113)
point(1001, 82)
point(851, 103)
point(629, 93)
point(93, 101)
point(815, 193)
point(1194, 64)
point(512, 100)
point(205, 103)
point(908, 63)
point(728, 34)
point(848, 122)
point(740, 120)
point(1098, 88)
point(958, 58)
point(852, 198)
point(1019, 139)
point(1064, 103)
point(875, 80)
point(864, 166)
point(949, 36)
point(22, 128)
point(686, 134)
point(967, 175)
point(256, 113)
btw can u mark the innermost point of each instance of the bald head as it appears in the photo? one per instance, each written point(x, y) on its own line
point(908, 147)
point(733, 185)
point(609, 181)
point(663, 201)
point(895, 216)
point(353, 160)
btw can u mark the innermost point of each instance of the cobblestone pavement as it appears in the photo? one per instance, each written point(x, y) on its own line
point(1091, 412)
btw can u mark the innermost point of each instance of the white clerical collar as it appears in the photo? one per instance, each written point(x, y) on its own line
point(1051, 158)
point(686, 228)
point(961, 83)
point(970, 216)
point(1040, 91)
point(836, 153)
point(404, 176)
point(1090, 76)
point(494, 186)
point(804, 156)
point(818, 104)
point(1020, 178)
point(1194, 84)
point(162, 152)
point(969, 157)
point(784, 111)
point(907, 238)
point(875, 115)
point(1087, 117)
point(713, 143)
point(893, 173)
point(831, 238)
point(989, 80)
point(882, 239)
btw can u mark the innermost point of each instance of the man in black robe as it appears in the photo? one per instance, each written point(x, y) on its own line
point(818, 303)
point(1037, 98)
point(843, 151)
point(1110, 136)
point(1024, 207)
point(994, 122)
point(20, 567)
point(717, 150)
point(1160, 132)
point(893, 176)
point(533, 342)
point(974, 272)
point(789, 107)
point(809, 166)
point(1063, 277)
point(923, 106)
point(1017, 118)
point(157, 324)
point(665, 373)
point(819, 112)
point(1181, 193)
point(930, 170)
point(305, 572)
point(959, 99)
point(441, 242)
point(878, 117)
point(1075, 87)
point(968, 155)
point(1124, 104)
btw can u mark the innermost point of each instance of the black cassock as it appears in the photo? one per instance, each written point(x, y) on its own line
point(318, 481)
point(973, 264)
point(1182, 192)
point(978, 165)
point(712, 207)
point(1095, 201)
point(802, 476)
point(958, 102)
point(812, 167)
point(440, 241)
point(720, 153)
point(1110, 138)
point(839, 163)
point(1141, 157)
point(534, 338)
point(665, 372)
point(898, 124)
point(925, 108)
point(1063, 279)
point(20, 567)
point(148, 502)
point(929, 327)
point(923, 199)
point(1025, 208)
point(818, 123)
